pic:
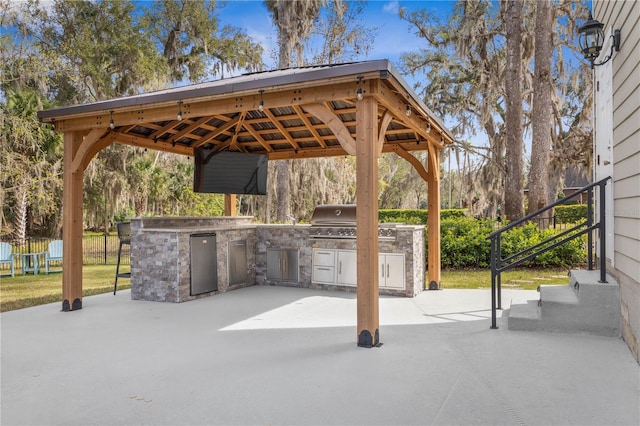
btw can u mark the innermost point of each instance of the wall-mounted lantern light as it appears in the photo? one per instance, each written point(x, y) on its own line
point(591, 39)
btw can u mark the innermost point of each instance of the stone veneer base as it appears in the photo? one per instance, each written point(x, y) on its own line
point(160, 259)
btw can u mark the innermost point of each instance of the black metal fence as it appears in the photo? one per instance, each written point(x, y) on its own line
point(96, 250)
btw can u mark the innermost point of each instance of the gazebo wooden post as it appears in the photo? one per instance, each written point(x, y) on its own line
point(230, 205)
point(72, 225)
point(433, 219)
point(367, 222)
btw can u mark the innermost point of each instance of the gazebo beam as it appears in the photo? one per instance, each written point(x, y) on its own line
point(206, 107)
point(367, 222)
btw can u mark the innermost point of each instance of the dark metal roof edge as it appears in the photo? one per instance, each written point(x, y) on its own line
point(242, 83)
point(245, 82)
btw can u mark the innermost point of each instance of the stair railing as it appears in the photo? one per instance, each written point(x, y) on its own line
point(500, 264)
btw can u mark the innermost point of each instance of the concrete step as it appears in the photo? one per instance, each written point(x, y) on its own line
point(524, 315)
point(558, 294)
point(585, 306)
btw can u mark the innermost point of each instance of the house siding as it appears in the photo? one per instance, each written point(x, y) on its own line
point(625, 15)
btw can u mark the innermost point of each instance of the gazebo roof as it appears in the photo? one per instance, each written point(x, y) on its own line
point(305, 112)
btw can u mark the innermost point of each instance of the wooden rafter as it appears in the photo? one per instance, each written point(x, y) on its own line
point(276, 122)
point(220, 130)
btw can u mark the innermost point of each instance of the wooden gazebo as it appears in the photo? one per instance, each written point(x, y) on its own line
point(360, 109)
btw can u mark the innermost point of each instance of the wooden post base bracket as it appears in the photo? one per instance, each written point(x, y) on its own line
point(366, 341)
point(77, 305)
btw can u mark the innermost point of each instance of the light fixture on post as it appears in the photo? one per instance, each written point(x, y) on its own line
point(408, 110)
point(179, 116)
point(428, 126)
point(591, 39)
point(261, 104)
point(112, 124)
point(359, 93)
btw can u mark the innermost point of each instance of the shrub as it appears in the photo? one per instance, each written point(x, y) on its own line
point(415, 216)
point(463, 242)
point(571, 213)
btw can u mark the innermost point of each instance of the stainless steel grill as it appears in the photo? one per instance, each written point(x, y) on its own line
point(338, 221)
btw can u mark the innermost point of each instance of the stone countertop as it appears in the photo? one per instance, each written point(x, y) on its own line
point(303, 225)
point(282, 225)
point(198, 229)
point(181, 218)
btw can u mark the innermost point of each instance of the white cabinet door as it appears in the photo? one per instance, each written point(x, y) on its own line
point(347, 268)
point(391, 270)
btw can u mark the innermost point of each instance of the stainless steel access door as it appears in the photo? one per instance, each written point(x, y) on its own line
point(204, 263)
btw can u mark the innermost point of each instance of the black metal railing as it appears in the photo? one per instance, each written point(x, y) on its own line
point(500, 264)
point(96, 249)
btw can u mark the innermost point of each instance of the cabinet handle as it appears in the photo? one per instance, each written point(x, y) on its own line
point(382, 272)
point(387, 270)
point(324, 269)
point(340, 268)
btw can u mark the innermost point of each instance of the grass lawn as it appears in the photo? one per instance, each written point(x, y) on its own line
point(520, 279)
point(23, 291)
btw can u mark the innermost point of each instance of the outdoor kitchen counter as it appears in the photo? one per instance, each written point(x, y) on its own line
point(296, 242)
point(161, 256)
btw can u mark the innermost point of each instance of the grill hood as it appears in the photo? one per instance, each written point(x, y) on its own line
point(334, 215)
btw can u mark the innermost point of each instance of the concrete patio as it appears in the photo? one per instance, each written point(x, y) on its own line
point(273, 355)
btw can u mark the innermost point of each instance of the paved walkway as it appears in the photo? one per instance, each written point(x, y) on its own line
point(274, 355)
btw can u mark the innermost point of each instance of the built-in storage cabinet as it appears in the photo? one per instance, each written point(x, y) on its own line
point(282, 264)
point(332, 266)
point(237, 262)
point(324, 266)
point(391, 267)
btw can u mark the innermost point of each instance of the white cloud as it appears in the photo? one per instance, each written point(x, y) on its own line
point(392, 7)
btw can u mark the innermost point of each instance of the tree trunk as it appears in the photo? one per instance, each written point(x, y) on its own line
point(541, 111)
point(514, 197)
point(20, 231)
point(284, 201)
point(286, 18)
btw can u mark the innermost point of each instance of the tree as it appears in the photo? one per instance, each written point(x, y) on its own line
point(541, 109)
point(31, 164)
point(30, 152)
point(463, 66)
point(514, 178)
point(74, 52)
point(194, 47)
point(294, 21)
point(340, 33)
point(98, 48)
